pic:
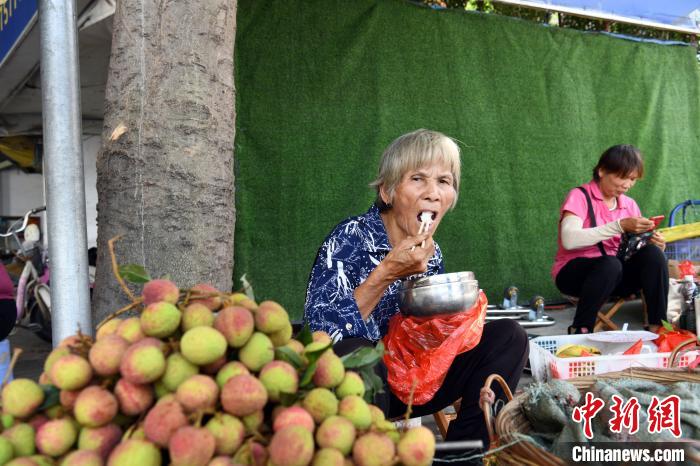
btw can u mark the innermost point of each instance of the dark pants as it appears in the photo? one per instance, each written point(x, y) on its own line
point(594, 280)
point(8, 316)
point(503, 350)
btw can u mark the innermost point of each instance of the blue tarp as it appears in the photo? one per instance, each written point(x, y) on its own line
point(683, 13)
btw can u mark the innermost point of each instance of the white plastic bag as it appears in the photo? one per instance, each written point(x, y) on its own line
point(673, 311)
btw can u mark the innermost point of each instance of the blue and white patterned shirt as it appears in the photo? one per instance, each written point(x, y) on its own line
point(352, 250)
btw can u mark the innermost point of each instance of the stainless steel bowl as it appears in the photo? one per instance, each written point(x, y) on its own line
point(441, 294)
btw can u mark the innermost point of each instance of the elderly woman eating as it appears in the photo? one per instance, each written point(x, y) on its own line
point(353, 286)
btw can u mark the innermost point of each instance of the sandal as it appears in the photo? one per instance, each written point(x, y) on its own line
point(578, 330)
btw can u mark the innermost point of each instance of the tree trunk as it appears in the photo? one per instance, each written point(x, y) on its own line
point(165, 172)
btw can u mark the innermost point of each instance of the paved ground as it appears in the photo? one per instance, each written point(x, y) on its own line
point(35, 350)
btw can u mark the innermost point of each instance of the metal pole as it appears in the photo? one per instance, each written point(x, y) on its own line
point(65, 188)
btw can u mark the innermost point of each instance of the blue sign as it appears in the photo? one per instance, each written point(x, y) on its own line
point(679, 13)
point(16, 16)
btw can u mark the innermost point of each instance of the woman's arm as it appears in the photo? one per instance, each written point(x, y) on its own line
point(574, 236)
point(402, 261)
point(330, 305)
point(337, 302)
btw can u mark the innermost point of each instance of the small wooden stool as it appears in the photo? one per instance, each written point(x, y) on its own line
point(604, 320)
point(443, 420)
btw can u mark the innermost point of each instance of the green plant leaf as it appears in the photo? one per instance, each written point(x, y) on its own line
point(51, 397)
point(365, 356)
point(284, 353)
point(308, 374)
point(380, 348)
point(134, 273)
point(360, 357)
point(305, 336)
point(288, 399)
point(312, 358)
point(315, 354)
point(667, 325)
point(373, 383)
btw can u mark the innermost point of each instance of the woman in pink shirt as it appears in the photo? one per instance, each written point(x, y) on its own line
point(586, 265)
point(8, 309)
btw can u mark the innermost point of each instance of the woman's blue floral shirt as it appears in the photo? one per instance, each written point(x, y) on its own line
point(347, 256)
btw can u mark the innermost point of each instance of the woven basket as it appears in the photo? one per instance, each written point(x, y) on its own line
point(511, 420)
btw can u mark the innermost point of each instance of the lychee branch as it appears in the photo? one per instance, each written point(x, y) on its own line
point(115, 268)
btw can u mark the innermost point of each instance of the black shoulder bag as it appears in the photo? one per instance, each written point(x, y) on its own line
point(629, 243)
point(591, 215)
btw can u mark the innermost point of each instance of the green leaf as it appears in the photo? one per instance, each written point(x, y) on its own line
point(134, 273)
point(360, 357)
point(373, 383)
point(312, 357)
point(51, 397)
point(380, 348)
point(288, 399)
point(284, 353)
point(667, 325)
point(308, 374)
point(305, 336)
point(365, 356)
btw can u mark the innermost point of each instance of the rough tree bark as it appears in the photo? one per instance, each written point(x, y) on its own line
point(165, 172)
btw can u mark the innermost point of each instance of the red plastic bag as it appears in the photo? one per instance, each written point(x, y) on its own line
point(669, 339)
point(422, 349)
point(687, 268)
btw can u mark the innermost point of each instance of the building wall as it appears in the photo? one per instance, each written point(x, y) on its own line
point(20, 192)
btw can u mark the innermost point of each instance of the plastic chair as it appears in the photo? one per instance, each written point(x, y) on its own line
point(682, 208)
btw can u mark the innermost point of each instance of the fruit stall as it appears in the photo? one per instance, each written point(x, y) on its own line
point(201, 377)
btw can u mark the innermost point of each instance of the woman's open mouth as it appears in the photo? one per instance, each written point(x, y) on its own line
point(427, 216)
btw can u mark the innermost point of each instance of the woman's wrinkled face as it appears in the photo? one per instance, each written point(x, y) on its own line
point(427, 189)
point(613, 185)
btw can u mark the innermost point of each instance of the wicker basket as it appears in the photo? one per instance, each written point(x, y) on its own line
point(511, 420)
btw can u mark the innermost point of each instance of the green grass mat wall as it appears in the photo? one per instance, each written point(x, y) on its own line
point(324, 86)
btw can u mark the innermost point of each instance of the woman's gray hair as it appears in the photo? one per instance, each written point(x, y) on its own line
point(411, 152)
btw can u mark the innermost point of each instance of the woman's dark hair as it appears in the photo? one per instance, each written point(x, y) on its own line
point(621, 160)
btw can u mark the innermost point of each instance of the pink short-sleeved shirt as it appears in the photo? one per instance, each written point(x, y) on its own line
point(576, 204)
point(7, 289)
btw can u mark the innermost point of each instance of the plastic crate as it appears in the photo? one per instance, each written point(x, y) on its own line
point(684, 249)
point(683, 232)
point(545, 366)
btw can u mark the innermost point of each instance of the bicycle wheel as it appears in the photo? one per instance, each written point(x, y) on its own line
point(37, 316)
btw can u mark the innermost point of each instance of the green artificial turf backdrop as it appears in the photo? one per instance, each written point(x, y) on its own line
point(324, 86)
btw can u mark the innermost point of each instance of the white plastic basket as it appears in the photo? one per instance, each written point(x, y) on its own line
point(545, 366)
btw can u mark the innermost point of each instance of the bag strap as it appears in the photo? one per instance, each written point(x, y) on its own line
point(591, 215)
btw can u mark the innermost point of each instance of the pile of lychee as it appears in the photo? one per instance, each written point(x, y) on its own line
point(200, 377)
